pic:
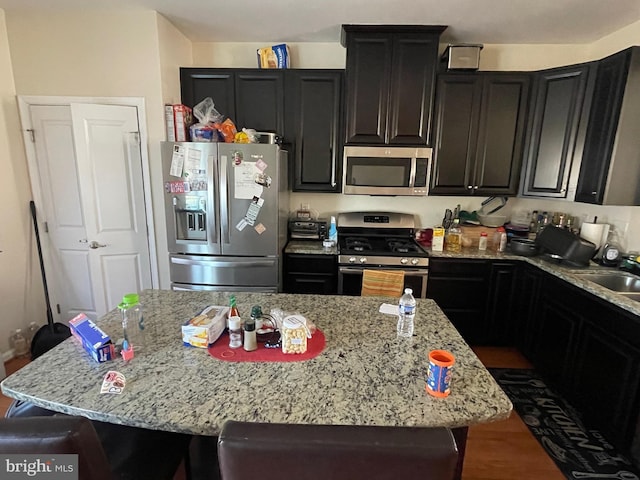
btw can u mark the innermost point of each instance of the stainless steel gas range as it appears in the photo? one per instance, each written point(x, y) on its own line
point(379, 241)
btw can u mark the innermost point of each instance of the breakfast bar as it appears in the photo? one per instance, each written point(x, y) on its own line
point(365, 375)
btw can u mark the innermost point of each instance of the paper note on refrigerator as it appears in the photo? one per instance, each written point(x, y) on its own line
point(177, 161)
point(193, 164)
point(245, 186)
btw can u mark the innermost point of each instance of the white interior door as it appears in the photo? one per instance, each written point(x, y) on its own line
point(90, 172)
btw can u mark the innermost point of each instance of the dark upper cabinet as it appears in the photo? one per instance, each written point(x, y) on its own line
point(558, 120)
point(313, 127)
point(303, 106)
point(610, 170)
point(480, 129)
point(252, 98)
point(390, 80)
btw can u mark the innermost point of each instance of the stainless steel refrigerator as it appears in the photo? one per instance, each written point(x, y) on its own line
point(227, 207)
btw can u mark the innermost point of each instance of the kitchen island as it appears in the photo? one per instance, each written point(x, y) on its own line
point(366, 375)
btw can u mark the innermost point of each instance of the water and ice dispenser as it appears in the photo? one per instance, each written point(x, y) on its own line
point(190, 211)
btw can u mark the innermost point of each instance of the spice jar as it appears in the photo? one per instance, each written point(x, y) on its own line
point(294, 334)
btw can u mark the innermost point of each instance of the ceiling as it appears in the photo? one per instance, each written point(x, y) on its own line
point(287, 21)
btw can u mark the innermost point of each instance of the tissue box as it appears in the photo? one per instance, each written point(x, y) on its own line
point(205, 328)
point(276, 56)
point(93, 339)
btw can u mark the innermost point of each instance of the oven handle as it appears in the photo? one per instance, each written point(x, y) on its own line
point(409, 273)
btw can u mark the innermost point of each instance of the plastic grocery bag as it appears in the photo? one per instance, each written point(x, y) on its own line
point(206, 112)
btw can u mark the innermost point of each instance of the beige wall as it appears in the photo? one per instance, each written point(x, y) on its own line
point(21, 298)
point(137, 54)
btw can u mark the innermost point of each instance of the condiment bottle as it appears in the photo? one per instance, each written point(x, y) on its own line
point(482, 241)
point(500, 239)
point(453, 239)
point(233, 309)
point(250, 341)
point(235, 332)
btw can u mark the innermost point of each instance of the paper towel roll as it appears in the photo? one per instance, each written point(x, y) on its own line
point(595, 232)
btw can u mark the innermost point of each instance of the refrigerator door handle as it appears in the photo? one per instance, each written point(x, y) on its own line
point(223, 263)
point(224, 198)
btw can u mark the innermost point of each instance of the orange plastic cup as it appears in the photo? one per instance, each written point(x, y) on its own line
point(439, 373)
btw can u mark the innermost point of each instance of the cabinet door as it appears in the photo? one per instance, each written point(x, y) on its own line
point(367, 83)
point(555, 335)
point(413, 73)
point(313, 106)
point(606, 382)
point(196, 84)
point(501, 130)
point(458, 100)
point(502, 303)
point(310, 274)
point(603, 122)
point(528, 300)
point(558, 119)
point(460, 288)
point(260, 100)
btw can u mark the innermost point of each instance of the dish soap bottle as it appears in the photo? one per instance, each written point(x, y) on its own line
point(611, 253)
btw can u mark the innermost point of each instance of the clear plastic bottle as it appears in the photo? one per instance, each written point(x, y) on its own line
point(453, 239)
point(482, 241)
point(406, 313)
point(19, 343)
point(133, 325)
point(235, 332)
point(31, 332)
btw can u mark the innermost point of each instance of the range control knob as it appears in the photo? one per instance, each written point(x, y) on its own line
point(415, 261)
point(404, 261)
point(352, 259)
point(363, 259)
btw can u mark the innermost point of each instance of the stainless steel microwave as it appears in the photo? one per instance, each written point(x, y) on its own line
point(386, 170)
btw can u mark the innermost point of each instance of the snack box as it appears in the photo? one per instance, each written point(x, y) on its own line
point(178, 119)
point(205, 328)
point(93, 339)
point(276, 56)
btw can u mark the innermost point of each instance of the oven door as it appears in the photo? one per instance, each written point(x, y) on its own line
point(350, 280)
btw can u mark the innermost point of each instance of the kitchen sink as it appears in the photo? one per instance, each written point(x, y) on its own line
point(619, 282)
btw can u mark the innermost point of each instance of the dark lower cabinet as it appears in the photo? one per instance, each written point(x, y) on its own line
point(461, 289)
point(555, 333)
point(525, 315)
point(589, 350)
point(502, 301)
point(476, 295)
point(311, 274)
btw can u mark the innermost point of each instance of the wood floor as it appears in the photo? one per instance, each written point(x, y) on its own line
point(503, 450)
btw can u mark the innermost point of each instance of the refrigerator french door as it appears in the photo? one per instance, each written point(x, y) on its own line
point(226, 208)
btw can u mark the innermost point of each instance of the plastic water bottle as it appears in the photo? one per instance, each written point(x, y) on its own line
point(406, 313)
point(133, 325)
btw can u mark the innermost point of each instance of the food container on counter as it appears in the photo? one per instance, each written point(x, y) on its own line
point(294, 334)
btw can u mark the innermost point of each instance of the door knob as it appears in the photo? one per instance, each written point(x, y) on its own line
point(95, 245)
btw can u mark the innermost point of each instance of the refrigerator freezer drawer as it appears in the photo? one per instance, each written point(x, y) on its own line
point(221, 288)
point(229, 271)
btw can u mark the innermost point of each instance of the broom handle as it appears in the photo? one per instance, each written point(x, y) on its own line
point(32, 205)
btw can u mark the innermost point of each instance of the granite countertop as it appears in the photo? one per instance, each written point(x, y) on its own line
point(365, 376)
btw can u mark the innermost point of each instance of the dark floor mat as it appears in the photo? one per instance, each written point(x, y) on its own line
point(578, 451)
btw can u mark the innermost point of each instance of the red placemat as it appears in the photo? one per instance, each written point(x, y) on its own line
point(220, 350)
